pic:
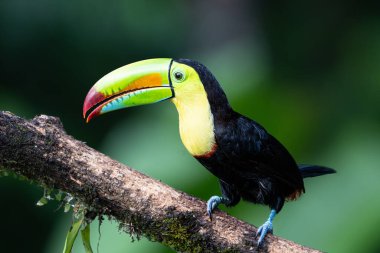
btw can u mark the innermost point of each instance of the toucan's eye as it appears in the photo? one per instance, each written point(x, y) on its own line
point(179, 75)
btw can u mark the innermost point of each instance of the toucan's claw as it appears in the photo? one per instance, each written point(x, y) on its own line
point(267, 227)
point(213, 203)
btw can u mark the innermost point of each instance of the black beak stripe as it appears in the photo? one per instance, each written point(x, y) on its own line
point(170, 80)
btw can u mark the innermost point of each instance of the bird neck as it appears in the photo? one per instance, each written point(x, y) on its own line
point(211, 92)
point(196, 123)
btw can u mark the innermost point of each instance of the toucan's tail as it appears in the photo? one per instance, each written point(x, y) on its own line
point(314, 170)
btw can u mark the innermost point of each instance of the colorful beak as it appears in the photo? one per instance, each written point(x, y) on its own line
point(139, 83)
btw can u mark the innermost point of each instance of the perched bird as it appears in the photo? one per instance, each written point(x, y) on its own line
point(249, 162)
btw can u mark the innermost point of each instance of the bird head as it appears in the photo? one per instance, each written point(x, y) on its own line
point(145, 82)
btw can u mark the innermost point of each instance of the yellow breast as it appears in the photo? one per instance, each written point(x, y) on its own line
point(196, 123)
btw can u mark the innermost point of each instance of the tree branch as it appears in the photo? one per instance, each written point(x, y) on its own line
point(41, 150)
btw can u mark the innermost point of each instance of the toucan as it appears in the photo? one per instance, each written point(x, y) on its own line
point(248, 161)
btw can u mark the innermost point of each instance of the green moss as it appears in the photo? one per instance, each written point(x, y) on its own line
point(3, 172)
point(175, 233)
point(179, 230)
point(10, 173)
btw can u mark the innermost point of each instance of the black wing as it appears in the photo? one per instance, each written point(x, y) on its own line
point(253, 154)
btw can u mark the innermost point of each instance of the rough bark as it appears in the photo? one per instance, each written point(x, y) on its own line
point(41, 150)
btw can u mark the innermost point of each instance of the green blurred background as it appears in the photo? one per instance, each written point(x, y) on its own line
point(309, 71)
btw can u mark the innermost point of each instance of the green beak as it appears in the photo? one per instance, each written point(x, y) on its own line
point(139, 83)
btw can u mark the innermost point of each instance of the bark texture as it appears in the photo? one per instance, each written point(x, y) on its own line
point(41, 150)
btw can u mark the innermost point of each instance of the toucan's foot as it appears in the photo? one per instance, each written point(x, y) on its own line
point(267, 227)
point(212, 203)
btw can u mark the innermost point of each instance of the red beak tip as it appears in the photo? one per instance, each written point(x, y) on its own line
point(93, 97)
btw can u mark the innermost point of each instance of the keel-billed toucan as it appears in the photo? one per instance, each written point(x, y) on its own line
point(249, 162)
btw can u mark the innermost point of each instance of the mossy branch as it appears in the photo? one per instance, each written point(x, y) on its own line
point(40, 150)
